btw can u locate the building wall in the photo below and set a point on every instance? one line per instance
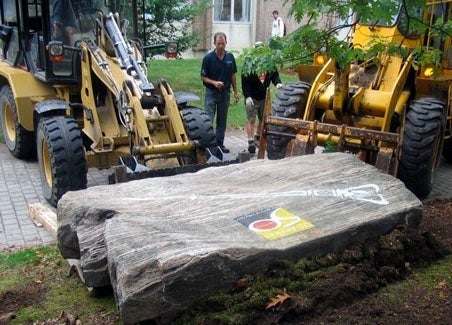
(264, 18)
(202, 25)
(240, 35)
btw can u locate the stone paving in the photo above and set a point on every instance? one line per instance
(20, 186)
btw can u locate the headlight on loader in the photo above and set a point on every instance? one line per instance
(319, 59)
(428, 72)
(171, 49)
(56, 51)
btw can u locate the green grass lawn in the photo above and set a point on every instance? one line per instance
(184, 75)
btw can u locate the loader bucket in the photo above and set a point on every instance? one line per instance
(382, 146)
(216, 155)
(129, 169)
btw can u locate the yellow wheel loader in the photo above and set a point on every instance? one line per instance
(385, 111)
(74, 92)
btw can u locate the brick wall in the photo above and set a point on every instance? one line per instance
(263, 21)
(202, 25)
(264, 18)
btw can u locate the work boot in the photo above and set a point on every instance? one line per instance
(224, 149)
(251, 147)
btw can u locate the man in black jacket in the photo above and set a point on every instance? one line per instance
(254, 89)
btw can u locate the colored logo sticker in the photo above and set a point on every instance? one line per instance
(274, 223)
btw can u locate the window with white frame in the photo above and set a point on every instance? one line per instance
(240, 10)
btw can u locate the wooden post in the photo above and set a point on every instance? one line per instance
(263, 134)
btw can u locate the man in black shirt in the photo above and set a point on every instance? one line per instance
(218, 76)
(254, 88)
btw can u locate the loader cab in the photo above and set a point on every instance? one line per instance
(411, 27)
(399, 29)
(430, 19)
(44, 36)
(32, 30)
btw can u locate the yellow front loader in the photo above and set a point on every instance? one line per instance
(385, 111)
(74, 92)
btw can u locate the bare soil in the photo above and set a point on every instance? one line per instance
(371, 283)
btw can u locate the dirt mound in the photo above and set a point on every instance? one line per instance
(29, 295)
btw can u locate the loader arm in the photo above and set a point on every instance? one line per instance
(130, 115)
(321, 90)
(101, 124)
(352, 116)
(125, 55)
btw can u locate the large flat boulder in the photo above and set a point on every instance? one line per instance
(165, 242)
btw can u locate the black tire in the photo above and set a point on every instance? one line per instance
(290, 102)
(20, 142)
(61, 156)
(199, 127)
(422, 144)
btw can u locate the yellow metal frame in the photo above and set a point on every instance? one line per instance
(25, 96)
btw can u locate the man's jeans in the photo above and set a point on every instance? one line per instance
(218, 102)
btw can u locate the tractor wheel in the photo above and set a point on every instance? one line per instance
(20, 142)
(199, 127)
(61, 156)
(290, 102)
(422, 144)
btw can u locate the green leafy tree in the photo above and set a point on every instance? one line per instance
(165, 20)
(316, 36)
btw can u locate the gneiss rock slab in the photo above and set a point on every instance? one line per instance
(169, 241)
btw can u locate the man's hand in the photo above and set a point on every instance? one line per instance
(279, 85)
(219, 85)
(249, 102)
